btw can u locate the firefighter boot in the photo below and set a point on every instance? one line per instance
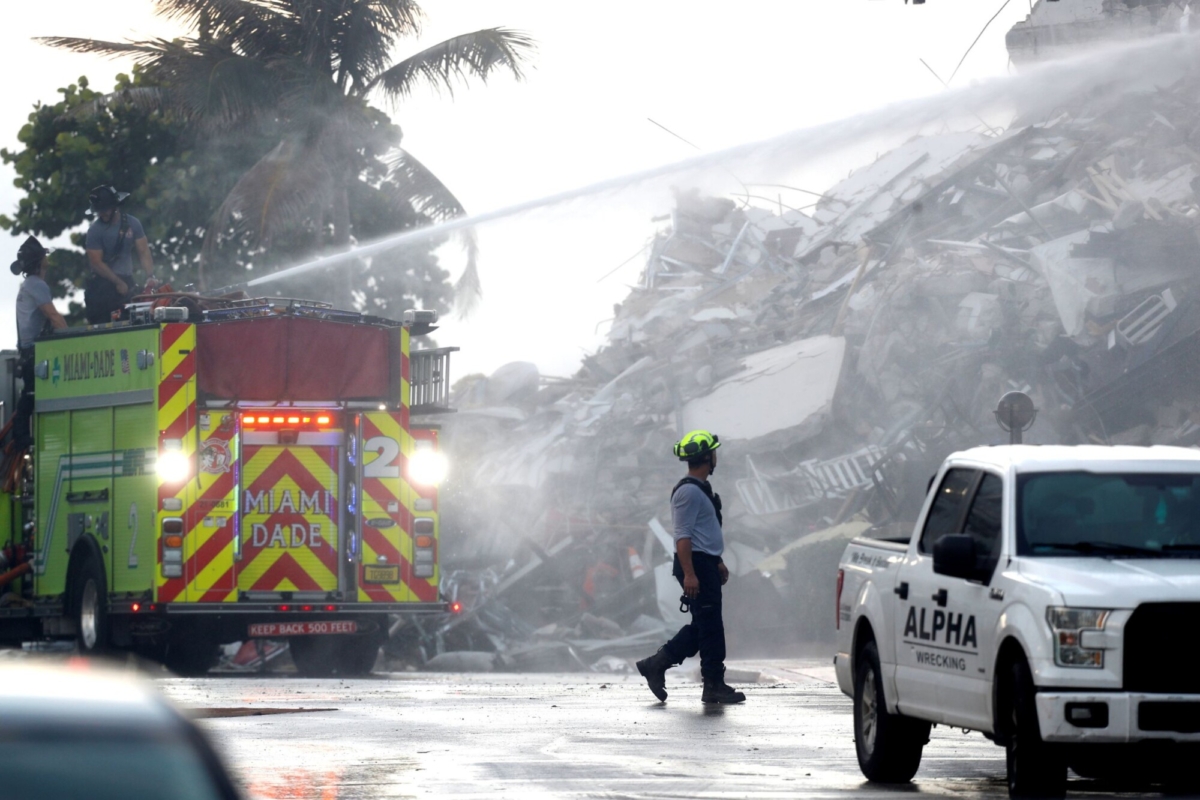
(718, 691)
(654, 670)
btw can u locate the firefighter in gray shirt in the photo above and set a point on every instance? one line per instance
(35, 303)
(112, 241)
(699, 543)
(35, 311)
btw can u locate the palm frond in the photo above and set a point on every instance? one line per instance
(193, 12)
(210, 81)
(204, 79)
(363, 38)
(253, 27)
(402, 17)
(468, 289)
(76, 45)
(479, 54)
(413, 184)
(310, 93)
(281, 192)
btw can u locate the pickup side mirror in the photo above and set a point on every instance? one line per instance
(954, 555)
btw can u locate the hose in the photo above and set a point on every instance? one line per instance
(14, 573)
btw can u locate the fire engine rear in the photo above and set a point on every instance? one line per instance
(251, 470)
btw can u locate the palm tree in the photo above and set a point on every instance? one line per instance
(309, 69)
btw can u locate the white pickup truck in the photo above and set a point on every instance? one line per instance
(1049, 598)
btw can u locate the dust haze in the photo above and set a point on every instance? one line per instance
(843, 305)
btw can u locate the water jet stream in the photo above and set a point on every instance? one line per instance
(1033, 94)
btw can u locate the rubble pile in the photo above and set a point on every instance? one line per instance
(840, 355)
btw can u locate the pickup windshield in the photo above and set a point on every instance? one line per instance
(1128, 515)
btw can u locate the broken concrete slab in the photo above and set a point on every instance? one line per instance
(1078, 285)
(787, 388)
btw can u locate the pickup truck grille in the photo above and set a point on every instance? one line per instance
(1173, 717)
(1152, 639)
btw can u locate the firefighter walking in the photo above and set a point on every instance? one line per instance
(699, 544)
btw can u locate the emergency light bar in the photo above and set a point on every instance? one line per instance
(273, 420)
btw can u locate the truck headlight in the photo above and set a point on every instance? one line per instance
(427, 467)
(173, 466)
(1068, 625)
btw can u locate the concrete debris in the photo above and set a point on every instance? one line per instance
(1056, 29)
(840, 355)
(761, 398)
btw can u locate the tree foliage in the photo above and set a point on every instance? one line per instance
(303, 74)
(176, 179)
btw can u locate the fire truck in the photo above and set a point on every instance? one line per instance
(213, 471)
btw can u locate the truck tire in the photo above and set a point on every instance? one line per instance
(323, 656)
(89, 594)
(358, 657)
(190, 656)
(1114, 767)
(314, 656)
(1035, 768)
(888, 745)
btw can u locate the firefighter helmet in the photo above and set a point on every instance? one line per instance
(29, 256)
(696, 443)
(103, 198)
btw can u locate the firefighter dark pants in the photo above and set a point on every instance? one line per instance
(706, 633)
(24, 412)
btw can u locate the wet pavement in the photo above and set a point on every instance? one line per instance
(561, 736)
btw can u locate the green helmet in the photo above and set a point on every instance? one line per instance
(696, 443)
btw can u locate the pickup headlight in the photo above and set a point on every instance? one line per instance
(1068, 625)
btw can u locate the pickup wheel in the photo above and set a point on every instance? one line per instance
(888, 745)
(1035, 768)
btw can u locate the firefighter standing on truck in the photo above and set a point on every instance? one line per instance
(111, 243)
(699, 543)
(35, 311)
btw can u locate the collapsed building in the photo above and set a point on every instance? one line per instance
(1058, 28)
(840, 354)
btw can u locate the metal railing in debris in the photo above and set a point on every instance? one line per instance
(429, 380)
(807, 483)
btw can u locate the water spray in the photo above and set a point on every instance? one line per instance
(1038, 90)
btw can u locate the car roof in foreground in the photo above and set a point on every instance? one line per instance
(1089, 458)
(79, 694)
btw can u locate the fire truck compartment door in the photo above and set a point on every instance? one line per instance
(289, 518)
(385, 571)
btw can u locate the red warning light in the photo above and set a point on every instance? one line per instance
(274, 421)
(331, 608)
(456, 607)
(137, 607)
(306, 608)
(284, 608)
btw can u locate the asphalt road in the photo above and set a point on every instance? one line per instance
(559, 736)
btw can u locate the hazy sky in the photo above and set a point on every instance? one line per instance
(717, 74)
